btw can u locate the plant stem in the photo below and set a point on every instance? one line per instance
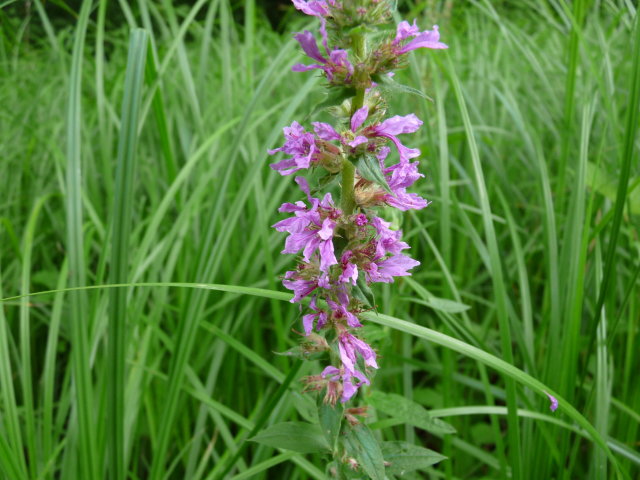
(348, 194)
(348, 169)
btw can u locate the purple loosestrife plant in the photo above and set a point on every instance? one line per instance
(346, 247)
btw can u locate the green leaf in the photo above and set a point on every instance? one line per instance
(369, 169)
(330, 420)
(397, 406)
(336, 96)
(360, 444)
(297, 436)
(363, 292)
(386, 83)
(404, 457)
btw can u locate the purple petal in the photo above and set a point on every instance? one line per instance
(397, 266)
(427, 39)
(325, 131)
(359, 117)
(307, 323)
(326, 232)
(330, 370)
(399, 124)
(327, 257)
(554, 402)
(301, 67)
(312, 7)
(405, 30)
(359, 140)
(309, 45)
(406, 201)
(352, 320)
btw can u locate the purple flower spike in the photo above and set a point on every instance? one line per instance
(349, 346)
(554, 402)
(300, 145)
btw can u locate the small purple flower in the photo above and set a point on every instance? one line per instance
(325, 131)
(349, 270)
(554, 402)
(349, 388)
(405, 30)
(310, 230)
(337, 62)
(426, 39)
(303, 285)
(350, 345)
(395, 126)
(399, 177)
(385, 270)
(342, 311)
(319, 316)
(301, 145)
(387, 240)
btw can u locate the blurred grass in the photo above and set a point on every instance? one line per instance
(536, 102)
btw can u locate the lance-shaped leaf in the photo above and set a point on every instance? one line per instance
(368, 167)
(360, 444)
(297, 436)
(403, 457)
(401, 408)
(363, 292)
(330, 420)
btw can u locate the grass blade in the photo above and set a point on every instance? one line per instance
(120, 229)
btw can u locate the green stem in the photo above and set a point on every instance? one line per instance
(348, 169)
(348, 193)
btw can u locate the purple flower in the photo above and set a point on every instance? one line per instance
(336, 63)
(394, 266)
(341, 311)
(300, 145)
(395, 126)
(310, 230)
(319, 316)
(303, 285)
(349, 346)
(426, 39)
(387, 240)
(405, 30)
(317, 8)
(349, 270)
(325, 131)
(554, 402)
(349, 388)
(399, 177)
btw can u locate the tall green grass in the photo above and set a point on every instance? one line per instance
(529, 276)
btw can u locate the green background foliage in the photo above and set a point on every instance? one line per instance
(133, 148)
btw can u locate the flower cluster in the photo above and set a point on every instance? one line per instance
(346, 247)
